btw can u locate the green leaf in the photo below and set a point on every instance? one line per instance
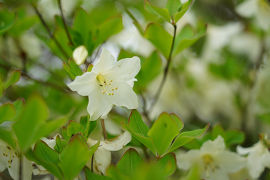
(29, 122)
(182, 10)
(136, 123)
(74, 157)
(173, 6)
(160, 38)
(47, 157)
(129, 162)
(12, 78)
(163, 131)
(6, 20)
(151, 68)
(7, 136)
(187, 37)
(168, 164)
(194, 174)
(157, 11)
(178, 121)
(7, 112)
(92, 176)
(72, 69)
(186, 137)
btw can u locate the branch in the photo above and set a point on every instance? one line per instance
(49, 31)
(64, 21)
(166, 70)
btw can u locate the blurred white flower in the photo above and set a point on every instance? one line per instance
(258, 158)
(260, 9)
(80, 54)
(102, 157)
(214, 161)
(9, 159)
(109, 83)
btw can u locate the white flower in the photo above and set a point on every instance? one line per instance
(80, 54)
(214, 161)
(258, 8)
(258, 157)
(109, 83)
(102, 156)
(10, 159)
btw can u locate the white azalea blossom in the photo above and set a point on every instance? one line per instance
(80, 54)
(109, 83)
(102, 156)
(214, 161)
(258, 158)
(9, 159)
(260, 9)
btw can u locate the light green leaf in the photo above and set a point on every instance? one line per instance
(163, 131)
(168, 164)
(182, 10)
(74, 157)
(157, 11)
(7, 112)
(136, 123)
(186, 137)
(12, 78)
(160, 38)
(7, 136)
(173, 6)
(29, 122)
(6, 20)
(72, 69)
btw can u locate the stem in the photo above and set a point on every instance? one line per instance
(92, 162)
(166, 70)
(145, 113)
(49, 31)
(24, 74)
(64, 21)
(20, 168)
(103, 128)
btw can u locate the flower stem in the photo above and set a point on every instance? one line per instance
(166, 70)
(64, 21)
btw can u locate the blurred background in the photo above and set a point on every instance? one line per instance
(222, 77)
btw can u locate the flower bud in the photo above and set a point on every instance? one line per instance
(80, 54)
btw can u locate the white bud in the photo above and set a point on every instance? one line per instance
(80, 54)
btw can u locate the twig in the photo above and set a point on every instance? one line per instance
(24, 74)
(49, 32)
(64, 21)
(166, 70)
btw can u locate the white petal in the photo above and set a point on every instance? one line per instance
(98, 105)
(27, 169)
(214, 146)
(125, 96)
(112, 127)
(243, 151)
(186, 160)
(105, 62)
(247, 8)
(102, 159)
(80, 54)
(230, 162)
(126, 69)
(13, 168)
(84, 84)
(117, 143)
(217, 175)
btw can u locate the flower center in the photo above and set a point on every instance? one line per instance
(106, 85)
(209, 164)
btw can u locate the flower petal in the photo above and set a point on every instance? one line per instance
(102, 159)
(125, 96)
(185, 160)
(230, 162)
(117, 143)
(104, 63)
(214, 146)
(98, 105)
(126, 69)
(84, 84)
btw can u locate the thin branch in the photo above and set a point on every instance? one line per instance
(45, 83)
(49, 31)
(166, 70)
(64, 21)
(145, 112)
(135, 21)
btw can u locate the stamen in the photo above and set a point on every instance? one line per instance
(106, 85)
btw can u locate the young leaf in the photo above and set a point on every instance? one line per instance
(163, 131)
(12, 78)
(157, 11)
(74, 157)
(173, 6)
(186, 137)
(160, 38)
(182, 10)
(7, 112)
(29, 122)
(168, 163)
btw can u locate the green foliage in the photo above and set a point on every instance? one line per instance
(164, 136)
(7, 112)
(30, 124)
(7, 19)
